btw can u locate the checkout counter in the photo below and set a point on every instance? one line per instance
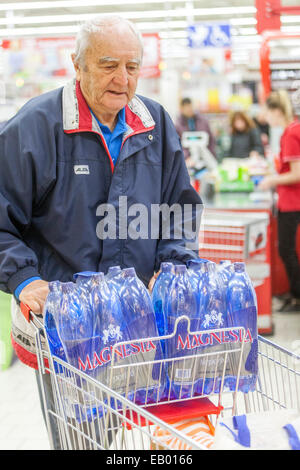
(246, 223)
(239, 222)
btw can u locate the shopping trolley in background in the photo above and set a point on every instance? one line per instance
(91, 415)
(242, 237)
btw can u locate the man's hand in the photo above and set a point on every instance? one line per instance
(152, 281)
(34, 295)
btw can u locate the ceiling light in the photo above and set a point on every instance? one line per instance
(23, 20)
(45, 31)
(79, 4)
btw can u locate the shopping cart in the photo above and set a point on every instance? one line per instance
(91, 415)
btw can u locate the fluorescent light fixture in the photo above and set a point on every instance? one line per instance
(23, 20)
(164, 25)
(242, 21)
(97, 3)
(173, 34)
(246, 31)
(290, 19)
(45, 31)
(47, 5)
(290, 29)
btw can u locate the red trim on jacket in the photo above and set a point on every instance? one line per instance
(85, 116)
(134, 121)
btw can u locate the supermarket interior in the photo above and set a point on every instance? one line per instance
(227, 74)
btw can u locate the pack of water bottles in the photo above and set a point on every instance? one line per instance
(220, 303)
(86, 320)
(110, 323)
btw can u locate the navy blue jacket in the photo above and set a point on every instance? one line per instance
(55, 172)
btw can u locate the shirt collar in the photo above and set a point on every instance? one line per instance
(120, 126)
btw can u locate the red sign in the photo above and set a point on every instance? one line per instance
(267, 18)
(151, 58)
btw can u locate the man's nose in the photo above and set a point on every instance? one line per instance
(121, 76)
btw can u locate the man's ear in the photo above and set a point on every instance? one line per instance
(76, 67)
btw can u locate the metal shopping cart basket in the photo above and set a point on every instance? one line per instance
(89, 414)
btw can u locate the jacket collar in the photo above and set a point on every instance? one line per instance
(77, 116)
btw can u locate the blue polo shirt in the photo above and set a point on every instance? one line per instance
(113, 141)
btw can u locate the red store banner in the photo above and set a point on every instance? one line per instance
(151, 58)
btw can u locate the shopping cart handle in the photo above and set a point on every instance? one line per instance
(26, 311)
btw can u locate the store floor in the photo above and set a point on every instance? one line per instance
(21, 421)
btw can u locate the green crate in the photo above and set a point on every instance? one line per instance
(236, 186)
(6, 349)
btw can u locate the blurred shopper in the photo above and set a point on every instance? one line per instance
(245, 138)
(262, 126)
(287, 182)
(190, 120)
(76, 148)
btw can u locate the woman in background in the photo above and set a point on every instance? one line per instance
(245, 137)
(287, 182)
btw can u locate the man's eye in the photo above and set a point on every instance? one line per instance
(132, 68)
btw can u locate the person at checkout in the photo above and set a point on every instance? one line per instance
(245, 137)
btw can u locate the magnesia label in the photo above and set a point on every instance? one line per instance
(209, 350)
(124, 379)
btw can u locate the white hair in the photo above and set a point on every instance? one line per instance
(97, 25)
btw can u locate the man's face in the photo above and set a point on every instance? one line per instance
(109, 73)
(187, 110)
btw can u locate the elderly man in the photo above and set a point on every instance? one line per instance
(72, 150)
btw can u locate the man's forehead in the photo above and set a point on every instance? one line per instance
(106, 59)
(120, 37)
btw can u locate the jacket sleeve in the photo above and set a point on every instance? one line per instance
(21, 186)
(180, 244)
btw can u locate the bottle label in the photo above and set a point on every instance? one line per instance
(209, 348)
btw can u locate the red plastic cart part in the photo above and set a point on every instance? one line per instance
(174, 412)
(25, 311)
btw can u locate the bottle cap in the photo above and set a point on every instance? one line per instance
(166, 267)
(225, 262)
(55, 286)
(128, 272)
(68, 286)
(98, 277)
(114, 269)
(195, 264)
(239, 267)
(211, 266)
(84, 274)
(180, 268)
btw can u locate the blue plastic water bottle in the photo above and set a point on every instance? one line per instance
(160, 294)
(212, 316)
(85, 284)
(225, 271)
(75, 327)
(196, 270)
(148, 381)
(242, 309)
(51, 311)
(115, 279)
(181, 301)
